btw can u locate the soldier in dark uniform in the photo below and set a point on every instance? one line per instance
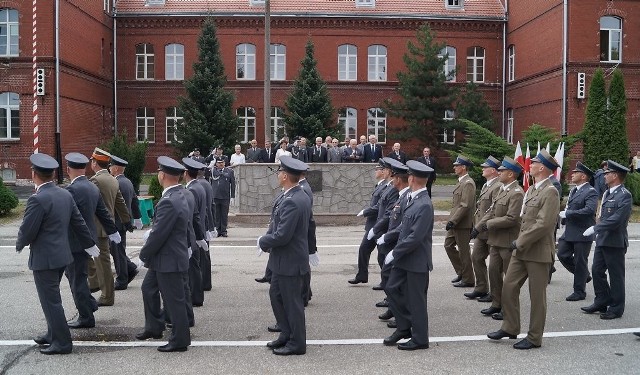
(224, 189)
(49, 216)
(578, 215)
(612, 241)
(411, 259)
(166, 255)
(314, 259)
(288, 259)
(210, 234)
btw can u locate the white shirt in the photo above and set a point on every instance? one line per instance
(505, 187)
(461, 177)
(490, 182)
(237, 159)
(414, 193)
(537, 184)
(402, 191)
(279, 153)
(41, 185)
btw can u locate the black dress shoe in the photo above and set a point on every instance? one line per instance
(383, 303)
(410, 345)
(500, 334)
(637, 334)
(119, 287)
(79, 324)
(170, 348)
(225, 235)
(456, 279)
(475, 294)
(486, 298)
(262, 280)
(395, 337)
(274, 328)
(378, 287)
(497, 316)
(609, 315)
(392, 324)
(288, 351)
(525, 344)
(357, 281)
(386, 315)
(276, 344)
(490, 310)
(589, 278)
(41, 340)
(199, 304)
(462, 284)
(132, 275)
(51, 350)
(575, 297)
(148, 335)
(594, 308)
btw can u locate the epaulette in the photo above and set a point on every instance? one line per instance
(516, 189)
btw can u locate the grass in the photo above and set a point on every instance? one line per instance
(446, 179)
(15, 214)
(146, 178)
(442, 204)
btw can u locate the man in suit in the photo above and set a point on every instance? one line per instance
(480, 252)
(372, 150)
(268, 154)
(612, 241)
(334, 153)
(397, 154)
(165, 253)
(578, 215)
(223, 182)
(48, 217)
(352, 154)
(501, 223)
(300, 151)
(100, 276)
(89, 202)
(411, 259)
(429, 161)
(532, 256)
(126, 270)
(253, 152)
(288, 259)
(460, 223)
(319, 152)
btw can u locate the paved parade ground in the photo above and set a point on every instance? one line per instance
(344, 335)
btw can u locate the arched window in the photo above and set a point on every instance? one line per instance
(277, 123)
(173, 120)
(347, 62)
(146, 124)
(610, 39)
(347, 122)
(245, 61)
(377, 124)
(450, 65)
(174, 62)
(9, 115)
(377, 60)
(277, 61)
(512, 63)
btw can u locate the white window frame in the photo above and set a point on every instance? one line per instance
(365, 3)
(174, 62)
(377, 63)
(256, 2)
(454, 4)
(347, 62)
(512, 63)
(246, 61)
(449, 65)
(475, 64)
(10, 104)
(248, 126)
(145, 125)
(277, 123)
(9, 21)
(510, 125)
(173, 120)
(611, 34)
(105, 6)
(377, 124)
(145, 59)
(447, 136)
(278, 62)
(348, 122)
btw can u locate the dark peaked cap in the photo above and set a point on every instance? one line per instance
(43, 163)
(491, 162)
(118, 161)
(292, 165)
(584, 169)
(418, 169)
(546, 159)
(170, 166)
(615, 167)
(76, 160)
(193, 165)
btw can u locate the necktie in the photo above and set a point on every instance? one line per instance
(268, 154)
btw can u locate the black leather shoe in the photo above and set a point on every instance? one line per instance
(132, 275)
(589, 278)
(119, 287)
(490, 310)
(261, 280)
(225, 234)
(575, 297)
(637, 334)
(410, 345)
(462, 284)
(378, 287)
(395, 337)
(199, 304)
(500, 334)
(456, 279)
(392, 324)
(79, 324)
(170, 348)
(288, 351)
(386, 315)
(475, 294)
(486, 298)
(497, 316)
(51, 350)
(383, 303)
(357, 281)
(594, 308)
(525, 344)
(276, 344)
(609, 315)
(148, 335)
(41, 340)
(274, 328)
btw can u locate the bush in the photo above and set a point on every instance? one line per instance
(8, 199)
(155, 189)
(134, 154)
(632, 183)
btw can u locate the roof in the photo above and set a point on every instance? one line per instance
(473, 9)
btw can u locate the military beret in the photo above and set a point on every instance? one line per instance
(546, 159)
(292, 165)
(192, 164)
(418, 169)
(463, 160)
(76, 160)
(584, 169)
(491, 162)
(43, 163)
(100, 155)
(616, 167)
(118, 161)
(170, 166)
(510, 164)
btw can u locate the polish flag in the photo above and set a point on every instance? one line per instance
(518, 157)
(526, 169)
(559, 156)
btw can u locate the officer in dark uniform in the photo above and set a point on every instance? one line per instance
(224, 189)
(612, 241)
(210, 225)
(579, 214)
(166, 255)
(314, 259)
(289, 258)
(49, 216)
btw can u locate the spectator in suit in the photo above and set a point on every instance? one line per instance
(352, 154)
(363, 142)
(328, 142)
(253, 152)
(301, 152)
(282, 151)
(319, 152)
(334, 153)
(238, 157)
(345, 145)
(397, 154)
(429, 161)
(372, 150)
(268, 154)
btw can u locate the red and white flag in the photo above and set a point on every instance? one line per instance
(560, 159)
(518, 157)
(526, 169)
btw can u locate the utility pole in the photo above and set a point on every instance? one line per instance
(267, 71)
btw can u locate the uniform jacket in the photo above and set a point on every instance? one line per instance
(486, 197)
(318, 156)
(130, 200)
(387, 201)
(372, 153)
(113, 200)
(535, 241)
(334, 155)
(301, 153)
(200, 208)
(464, 201)
(611, 229)
(580, 214)
(209, 224)
(223, 182)
(389, 226)
(49, 216)
(253, 156)
(371, 212)
(413, 249)
(311, 233)
(357, 155)
(503, 217)
(194, 221)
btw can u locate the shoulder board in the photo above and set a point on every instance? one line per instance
(624, 190)
(516, 189)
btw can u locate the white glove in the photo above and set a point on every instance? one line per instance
(208, 236)
(389, 258)
(214, 233)
(314, 259)
(380, 240)
(371, 234)
(190, 252)
(138, 223)
(145, 236)
(203, 244)
(360, 213)
(93, 251)
(591, 230)
(563, 214)
(115, 237)
(18, 251)
(259, 252)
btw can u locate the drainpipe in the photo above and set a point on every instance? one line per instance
(57, 134)
(565, 24)
(115, 79)
(504, 71)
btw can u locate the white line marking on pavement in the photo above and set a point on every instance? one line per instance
(317, 342)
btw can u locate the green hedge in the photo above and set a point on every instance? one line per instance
(8, 199)
(632, 183)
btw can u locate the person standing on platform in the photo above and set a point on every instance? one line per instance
(223, 182)
(334, 153)
(429, 161)
(397, 154)
(268, 154)
(253, 152)
(319, 152)
(48, 217)
(372, 150)
(352, 154)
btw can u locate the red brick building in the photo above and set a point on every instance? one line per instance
(513, 50)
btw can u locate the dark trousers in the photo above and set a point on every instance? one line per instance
(609, 259)
(195, 278)
(77, 275)
(48, 288)
(285, 293)
(407, 293)
(364, 254)
(429, 184)
(306, 288)
(124, 266)
(171, 286)
(383, 250)
(574, 256)
(221, 215)
(205, 268)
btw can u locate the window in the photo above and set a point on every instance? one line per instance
(347, 122)
(256, 2)
(173, 120)
(248, 127)
(277, 59)
(277, 123)
(450, 64)
(512, 63)
(447, 135)
(9, 32)
(610, 39)
(144, 61)
(365, 3)
(145, 125)
(105, 6)
(347, 62)
(475, 64)
(377, 124)
(454, 3)
(174, 62)
(510, 125)
(377, 63)
(9, 115)
(245, 61)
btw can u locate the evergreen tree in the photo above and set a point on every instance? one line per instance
(309, 111)
(207, 108)
(617, 144)
(596, 127)
(473, 107)
(424, 92)
(133, 153)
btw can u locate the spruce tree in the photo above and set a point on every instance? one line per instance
(473, 107)
(424, 92)
(596, 127)
(309, 111)
(207, 108)
(134, 153)
(617, 144)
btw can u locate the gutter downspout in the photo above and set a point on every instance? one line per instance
(115, 76)
(565, 24)
(58, 144)
(504, 71)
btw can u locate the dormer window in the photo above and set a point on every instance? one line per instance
(454, 4)
(365, 3)
(256, 2)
